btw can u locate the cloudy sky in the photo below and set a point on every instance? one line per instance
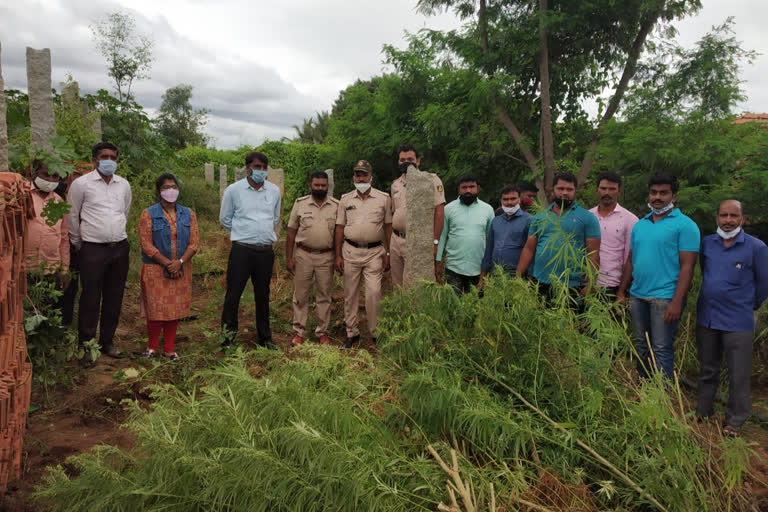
(263, 66)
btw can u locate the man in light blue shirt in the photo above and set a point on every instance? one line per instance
(465, 228)
(250, 211)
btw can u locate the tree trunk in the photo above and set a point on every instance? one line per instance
(629, 71)
(548, 147)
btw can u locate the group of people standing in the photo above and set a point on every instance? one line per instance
(646, 262)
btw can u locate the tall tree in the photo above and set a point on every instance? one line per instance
(178, 121)
(128, 54)
(542, 58)
(313, 130)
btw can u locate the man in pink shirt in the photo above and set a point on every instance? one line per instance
(616, 223)
(46, 245)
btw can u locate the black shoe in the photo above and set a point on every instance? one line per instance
(373, 340)
(351, 341)
(268, 345)
(111, 351)
(87, 362)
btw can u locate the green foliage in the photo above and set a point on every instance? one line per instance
(520, 386)
(128, 55)
(54, 211)
(313, 130)
(75, 125)
(179, 122)
(50, 345)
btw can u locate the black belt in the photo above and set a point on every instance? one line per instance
(398, 233)
(107, 244)
(363, 245)
(261, 248)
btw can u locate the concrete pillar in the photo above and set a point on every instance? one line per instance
(329, 172)
(222, 180)
(420, 199)
(209, 173)
(277, 177)
(240, 173)
(41, 119)
(3, 125)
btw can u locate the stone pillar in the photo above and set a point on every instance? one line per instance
(209, 174)
(329, 172)
(240, 174)
(277, 177)
(70, 92)
(42, 125)
(222, 180)
(3, 125)
(419, 200)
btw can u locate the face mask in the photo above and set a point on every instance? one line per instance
(258, 176)
(564, 204)
(661, 211)
(727, 235)
(170, 194)
(468, 198)
(362, 187)
(404, 167)
(107, 167)
(45, 186)
(319, 194)
(510, 210)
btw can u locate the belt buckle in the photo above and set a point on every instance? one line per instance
(111, 245)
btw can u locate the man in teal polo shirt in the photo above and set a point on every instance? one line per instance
(662, 255)
(465, 228)
(560, 237)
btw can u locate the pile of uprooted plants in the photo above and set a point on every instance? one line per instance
(495, 403)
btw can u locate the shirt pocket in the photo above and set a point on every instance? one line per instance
(736, 273)
(377, 215)
(158, 225)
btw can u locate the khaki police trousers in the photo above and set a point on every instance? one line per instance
(397, 255)
(368, 264)
(317, 268)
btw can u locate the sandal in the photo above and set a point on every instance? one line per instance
(173, 356)
(730, 431)
(149, 353)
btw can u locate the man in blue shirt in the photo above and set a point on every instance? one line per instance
(250, 211)
(734, 270)
(559, 239)
(662, 256)
(507, 234)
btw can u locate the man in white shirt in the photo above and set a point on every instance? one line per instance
(100, 203)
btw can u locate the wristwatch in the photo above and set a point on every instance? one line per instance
(436, 241)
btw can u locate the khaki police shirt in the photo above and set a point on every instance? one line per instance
(364, 219)
(314, 224)
(399, 217)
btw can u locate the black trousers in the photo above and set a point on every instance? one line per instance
(103, 271)
(460, 283)
(244, 263)
(736, 346)
(69, 296)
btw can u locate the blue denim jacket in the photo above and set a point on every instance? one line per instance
(161, 232)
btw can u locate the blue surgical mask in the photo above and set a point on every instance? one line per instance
(107, 167)
(258, 176)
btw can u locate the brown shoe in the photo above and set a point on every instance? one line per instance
(297, 340)
(325, 340)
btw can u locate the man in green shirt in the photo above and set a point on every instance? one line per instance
(462, 242)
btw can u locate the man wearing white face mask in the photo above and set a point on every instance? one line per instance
(734, 270)
(46, 246)
(662, 256)
(507, 234)
(363, 222)
(100, 201)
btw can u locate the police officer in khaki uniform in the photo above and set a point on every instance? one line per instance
(363, 223)
(311, 228)
(407, 156)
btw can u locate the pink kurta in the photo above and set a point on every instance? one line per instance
(615, 235)
(46, 244)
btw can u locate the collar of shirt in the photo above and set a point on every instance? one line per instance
(617, 209)
(739, 239)
(509, 218)
(569, 210)
(262, 188)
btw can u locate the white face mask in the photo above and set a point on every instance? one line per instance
(662, 210)
(362, 187)
(510, 210)
(45, 185)
(727, 235)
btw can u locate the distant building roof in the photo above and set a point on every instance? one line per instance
(751, 118)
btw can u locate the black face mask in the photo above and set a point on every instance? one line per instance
(319, 194)
(564, 204)
(405, 165)
(468, 198)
